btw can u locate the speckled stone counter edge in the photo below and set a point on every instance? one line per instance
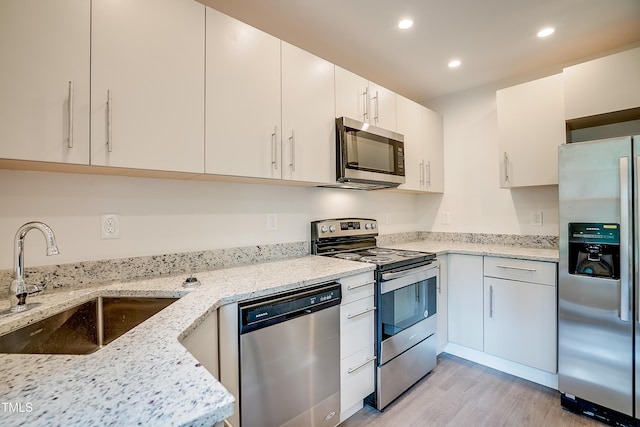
(89, 273)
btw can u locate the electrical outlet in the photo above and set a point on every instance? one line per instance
(536, 218)
(109, 226)
(272, 222)
(446, 217)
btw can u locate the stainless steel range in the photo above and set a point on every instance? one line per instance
(406, 288)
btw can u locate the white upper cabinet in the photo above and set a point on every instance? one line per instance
(410, 126)
(423, 145)
(433, 136)
(147, 84)
(603, 85)
(308, 117)
(243, 124)
(360, 99)
(44, 80)
(530, 129)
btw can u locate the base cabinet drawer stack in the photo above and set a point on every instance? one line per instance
(357, 339)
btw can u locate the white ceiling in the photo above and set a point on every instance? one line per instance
(495, 39)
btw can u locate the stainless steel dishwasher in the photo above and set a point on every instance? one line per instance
(290, 359)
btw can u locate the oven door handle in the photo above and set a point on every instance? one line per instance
(410, 272)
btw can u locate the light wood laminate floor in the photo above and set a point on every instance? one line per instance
(463, 394)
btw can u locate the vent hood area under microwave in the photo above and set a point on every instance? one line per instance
(367, 157)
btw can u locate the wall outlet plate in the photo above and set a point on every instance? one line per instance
(109, 226)
(272, 222)
(536, 218)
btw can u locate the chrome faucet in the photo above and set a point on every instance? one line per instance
(18, 289)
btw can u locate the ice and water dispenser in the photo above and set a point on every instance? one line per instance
(594, 249)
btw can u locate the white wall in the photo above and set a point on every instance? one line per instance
(472, 196)
(165, 216)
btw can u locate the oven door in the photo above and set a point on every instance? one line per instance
(407, 309)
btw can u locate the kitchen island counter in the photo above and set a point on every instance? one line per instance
(145, 377)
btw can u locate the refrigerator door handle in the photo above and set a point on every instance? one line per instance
(625, 225)
(637, 228)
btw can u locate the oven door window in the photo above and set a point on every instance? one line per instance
(406, 306)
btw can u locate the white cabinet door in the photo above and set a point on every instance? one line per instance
(603, 85)
(308, 117)
(423, 145)
(243, 99)
(530, 128)
(147, 84)
(351, 95)
(433, 137)
(44, 48)
(442, 305)
(520, 322)
(382, 103)
(410, 126)
(464, 298)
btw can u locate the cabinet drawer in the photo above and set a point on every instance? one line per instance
(540, 272)
(357, 326)
(357, 287)
(357, 373)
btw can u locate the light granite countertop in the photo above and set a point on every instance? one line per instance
(447, 247)
(145, 377)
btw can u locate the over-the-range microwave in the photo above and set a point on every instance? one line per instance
(368, 157)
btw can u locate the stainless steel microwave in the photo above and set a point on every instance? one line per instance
(368, 157)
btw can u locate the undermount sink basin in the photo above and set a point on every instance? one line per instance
(85, 328)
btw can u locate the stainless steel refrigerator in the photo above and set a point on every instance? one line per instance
(598, 329)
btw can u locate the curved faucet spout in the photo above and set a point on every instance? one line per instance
(18, 289)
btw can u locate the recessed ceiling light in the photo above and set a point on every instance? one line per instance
(546, 32)
(405, 23)
(455, 63)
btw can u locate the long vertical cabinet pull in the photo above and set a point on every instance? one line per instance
(365, 98)
(70, 105)
(625, 230)
(421, 173)
(109, 122)
(376, 118)
(490, 301)
(274, 151)
(506, 168)
(428, 174)
(292, 140)
(637, 272)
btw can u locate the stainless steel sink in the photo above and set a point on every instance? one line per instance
(85, 328)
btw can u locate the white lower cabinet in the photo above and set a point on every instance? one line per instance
(465, 300)
(357, 342)
(442, 305)
(520, 312)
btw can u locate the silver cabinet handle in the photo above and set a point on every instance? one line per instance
(376, 118)
(362, 285)
(292, 140)
(360, 313)
(365, 363)
(421, 173)
(365, 97)
(70, 105)
(513, 267)
(109, 123)
(274, 152)
(428, 173)
(490, 301)
(506, 168)
(625, 229)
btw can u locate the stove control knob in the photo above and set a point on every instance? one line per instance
(368, 226)
(332, 228)
(324, 229)
(373, 225)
